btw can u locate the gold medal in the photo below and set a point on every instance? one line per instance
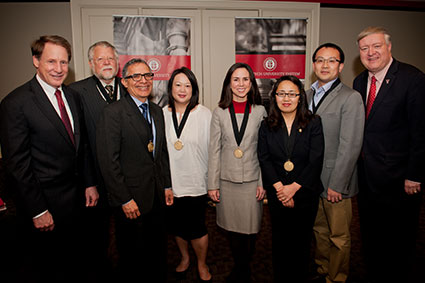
(288, 166)
(238, 153)
(178, 145)
(150, 146)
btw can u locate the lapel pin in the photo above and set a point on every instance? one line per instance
(300, 130)
(387, 81)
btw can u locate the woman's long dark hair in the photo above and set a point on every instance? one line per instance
(303, 115)
(194, 100)
(253, 95)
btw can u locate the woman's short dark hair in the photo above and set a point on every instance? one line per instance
(194, 100)
(226, 98)
(303, 115)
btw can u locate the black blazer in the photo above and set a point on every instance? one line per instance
(128, 168)
(93, 104)
(48, 171)
(307, 156)
(394, 138)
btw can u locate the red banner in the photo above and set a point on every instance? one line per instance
(161, 65)
(272, 66)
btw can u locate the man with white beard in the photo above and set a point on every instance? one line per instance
(97, 91)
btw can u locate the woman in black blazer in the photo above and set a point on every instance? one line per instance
(290, 151)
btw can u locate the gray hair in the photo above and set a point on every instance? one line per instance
(90, 52)
(372, 30)
(132, 62)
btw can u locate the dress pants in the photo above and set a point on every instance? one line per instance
(142, 246)
(333, 239)
(292, 233)
(389, 223)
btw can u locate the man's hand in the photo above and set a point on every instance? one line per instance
(412, 187)
(214, 195)
(289, 203)
(334, 196)
(44, 222)
(92, 196)
(169, 197)
(131, 209)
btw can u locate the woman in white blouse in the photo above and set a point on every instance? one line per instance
(188, 129)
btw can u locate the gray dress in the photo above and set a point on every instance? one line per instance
(237, 179)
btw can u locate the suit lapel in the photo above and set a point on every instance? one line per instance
(328, 99)
(384, 89)
(75, 116)
(137, 121)
(43, 103)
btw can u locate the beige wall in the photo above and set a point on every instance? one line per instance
(20, 24)
(342, 26)
(23, 22)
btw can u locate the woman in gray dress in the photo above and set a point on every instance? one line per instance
(234, 180)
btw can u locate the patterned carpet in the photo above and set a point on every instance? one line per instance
(219, 257)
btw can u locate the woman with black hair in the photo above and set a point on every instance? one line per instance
(234, 180)
(187, 127)
(290, 150)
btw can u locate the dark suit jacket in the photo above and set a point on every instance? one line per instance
(128, 168)
(307, 156)
(93, 104)
(394, 138)
(49, 172)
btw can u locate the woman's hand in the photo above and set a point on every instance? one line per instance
(285, 193)
(289, 203)
(260, 193)
(214, 195)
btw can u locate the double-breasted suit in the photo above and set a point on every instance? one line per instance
(49, 172)
(393, 151)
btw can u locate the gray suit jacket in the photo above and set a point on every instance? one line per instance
(342, 114)
(221, 162)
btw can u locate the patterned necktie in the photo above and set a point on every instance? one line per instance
(110, 90)
(145, 111)
(372, 96)
(64, 115)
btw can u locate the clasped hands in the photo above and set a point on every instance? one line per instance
(285, 193)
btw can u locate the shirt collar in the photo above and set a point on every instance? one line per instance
(325, 87)
(48, 89)
(105, 84)
(138, 102)
(380, 76)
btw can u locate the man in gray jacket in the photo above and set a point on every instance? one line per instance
(342, 112)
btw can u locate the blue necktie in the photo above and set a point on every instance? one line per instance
(145, 111)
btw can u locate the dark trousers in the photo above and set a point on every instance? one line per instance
(53, 256)
(389, 223)
(243, 248)
(142, 246)
(292, 232)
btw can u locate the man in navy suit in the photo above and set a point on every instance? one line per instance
(96, 92)
(44, 146)
(391, 166)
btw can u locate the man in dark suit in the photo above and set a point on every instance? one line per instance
(391, 167)
(43, 140)
(133, 158)
(97, 91)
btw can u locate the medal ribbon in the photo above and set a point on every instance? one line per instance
(289, 142)
(239, 133)
(179, 128)
(103, 90)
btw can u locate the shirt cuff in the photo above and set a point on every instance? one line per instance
(37, 216)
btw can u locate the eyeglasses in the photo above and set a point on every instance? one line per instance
(331, 61)
(102, 60)
(138, 77)
(288, 94)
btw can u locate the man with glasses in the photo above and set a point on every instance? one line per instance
(342, 112)
(133, 159)
(97, 91)
(391, 167)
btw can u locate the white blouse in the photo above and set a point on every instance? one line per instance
(189, 166)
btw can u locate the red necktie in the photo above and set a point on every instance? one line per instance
(372, 96)
(64, 115)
